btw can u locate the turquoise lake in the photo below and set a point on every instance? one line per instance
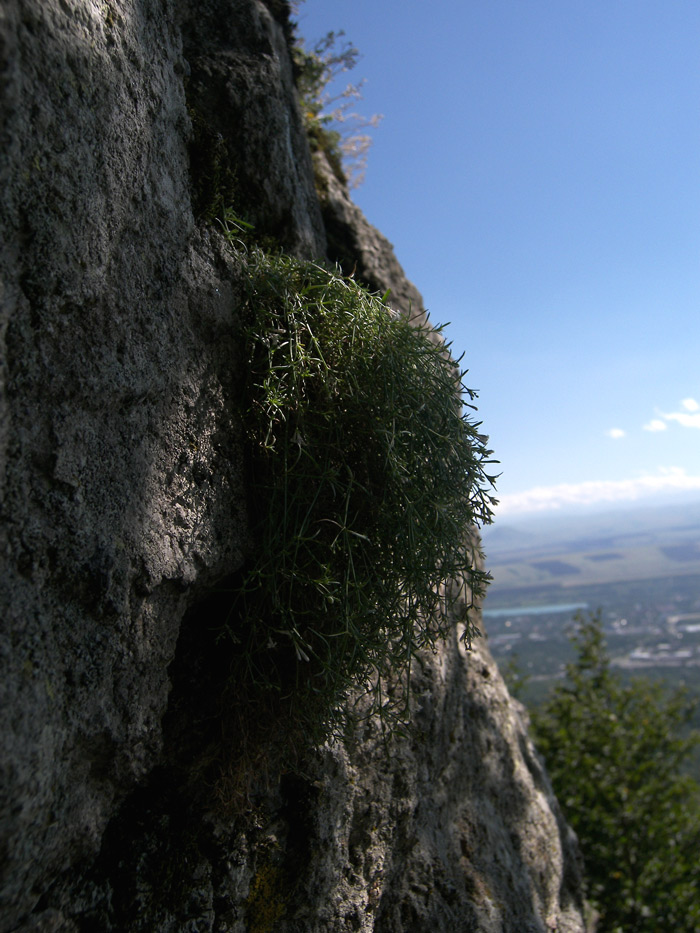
(532, 610)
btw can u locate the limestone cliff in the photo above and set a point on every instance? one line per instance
(124, 507)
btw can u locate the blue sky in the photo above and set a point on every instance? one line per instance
(537, 170)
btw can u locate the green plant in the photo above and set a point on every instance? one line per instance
(366, 477)
(615, 753)
(332, 125)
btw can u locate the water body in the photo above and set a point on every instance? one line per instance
(532, 610)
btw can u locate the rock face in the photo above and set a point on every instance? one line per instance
(360, 248)
(123, 508)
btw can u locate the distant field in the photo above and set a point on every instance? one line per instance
(579, 552)
(564, 568)
(640, 568)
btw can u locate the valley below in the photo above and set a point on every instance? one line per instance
(639, 567)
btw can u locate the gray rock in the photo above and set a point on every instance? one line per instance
(452, 828)
(120, 473)
(122, 490)
(240, 83)
(359, 248)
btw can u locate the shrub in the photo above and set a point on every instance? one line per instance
(332, 125)
(366, 479)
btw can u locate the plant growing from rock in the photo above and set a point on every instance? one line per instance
(366, 478)
(332, 124)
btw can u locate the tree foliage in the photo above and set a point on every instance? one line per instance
(614, 751)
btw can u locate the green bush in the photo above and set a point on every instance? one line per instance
(615, 753)
(366, 479)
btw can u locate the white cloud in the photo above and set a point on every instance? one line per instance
(684, 418)
(689, 417)
(615, 433)
(552, 498)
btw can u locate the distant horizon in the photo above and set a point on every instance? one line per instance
(669, 500)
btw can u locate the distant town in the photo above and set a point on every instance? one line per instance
(640, 568)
